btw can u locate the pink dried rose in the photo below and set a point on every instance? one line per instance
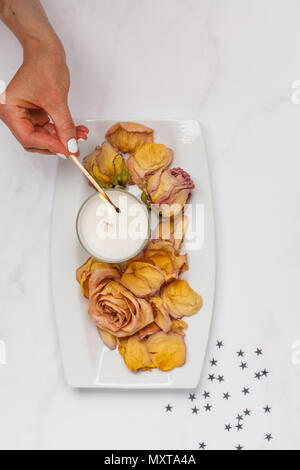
(171, 190)
(114, 309)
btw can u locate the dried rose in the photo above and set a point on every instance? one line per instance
(148, 159)
(107, 166)
(167, 350)
(163, 254)
(170, 190)
(128, 136)
(135, 353)
(84, 273)
(142, 278)
(180, 299)
(172, 230)
(114, 308)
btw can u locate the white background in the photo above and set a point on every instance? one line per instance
(230, 64)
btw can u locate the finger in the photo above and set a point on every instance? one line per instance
(83, 128)
(38, 117)
(65, 128)
(33, 150)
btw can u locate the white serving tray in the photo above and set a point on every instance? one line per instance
(87, 362)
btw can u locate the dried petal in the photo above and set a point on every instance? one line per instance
(167, 350)
(108, 339)
(172, 230)
(128, 136)
(161, 315)
(180, 299)
(163, 254)
(148, 330)
(142, 278)
(148, 159)
(135, 353)
(178, 326)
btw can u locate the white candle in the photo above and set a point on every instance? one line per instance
(110, 236)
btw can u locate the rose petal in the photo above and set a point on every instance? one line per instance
(108, 339)
(135, 353)
(84, 273)
(180, 299)
(167, 350)
(178, 326)
(128, 136)
(107, 166)
(147, 160)
(163, 254)
(172, 230)
(142, 279)
(148, 331)
(161, 315)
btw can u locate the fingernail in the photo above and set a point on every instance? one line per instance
(81, 140)
(72, 146)
(61, 155)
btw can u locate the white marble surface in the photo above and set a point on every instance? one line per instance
(231, 64)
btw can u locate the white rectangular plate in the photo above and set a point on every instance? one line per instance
(87, 362)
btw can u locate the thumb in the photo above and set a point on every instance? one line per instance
(65, 128)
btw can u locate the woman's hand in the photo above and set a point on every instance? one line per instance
(39, 90)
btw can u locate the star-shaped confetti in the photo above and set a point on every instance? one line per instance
(213, 362)
(192, 396)
(246, 391)
(221, 379)
(195, 410)
(240, 353)
(211, 377)
(267, 409)
(259, 352)
(265, 373)
(208, 407)
(247, 412)
(244, 365)
(268, 437)
(168, 408)
(257, 376)
(206, 395)
(240, 427)
(226, 396)
(202, 446)
(239, 418)
(239, 447)
(228, 427)
(220, 344)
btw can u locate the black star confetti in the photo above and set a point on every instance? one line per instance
(259, 352)
(220, 344)
(243, 365)
(211, 377)
(213, 362)
(168, 408)
(221, 379)
(257, 376)
(239, 447)
(226, 396)
(246, 391)
(206, 395)
(267, 409)
(195, 410)
(202, 446)
(268, 437)
(239, 418)
(228, 427)
(247, 412)
(265, 373)
(192, 396)
(239, 427)
(240, 353)
(208, 407)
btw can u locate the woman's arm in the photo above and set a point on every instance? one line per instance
(41, 85)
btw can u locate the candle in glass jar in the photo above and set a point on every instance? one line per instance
(109, 236)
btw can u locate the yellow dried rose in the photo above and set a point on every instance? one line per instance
(84, 273)
(180, 299)
(107, 166)
(172, 230)
(167, 350)
(148, 159)
(142, 278)
(163, 254)
(128, 136)
(135, 353)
